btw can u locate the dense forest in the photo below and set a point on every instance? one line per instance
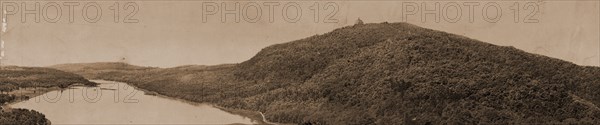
(14, 78)
(19, 116)
(22, 117)
(388, 73)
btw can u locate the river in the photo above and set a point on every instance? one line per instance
(119, 103)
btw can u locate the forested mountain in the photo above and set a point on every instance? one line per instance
(388, 73)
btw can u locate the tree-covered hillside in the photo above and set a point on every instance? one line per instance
(386, 73)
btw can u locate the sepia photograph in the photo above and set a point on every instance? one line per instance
(299, 62)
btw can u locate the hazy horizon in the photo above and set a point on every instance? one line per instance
(170, 34)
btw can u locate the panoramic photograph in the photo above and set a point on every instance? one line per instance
(299, 62)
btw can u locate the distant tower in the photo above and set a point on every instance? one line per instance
(123, 60)
(359, 22)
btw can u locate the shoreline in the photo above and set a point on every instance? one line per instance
(35, 92)
(31, 92)
(244, 113)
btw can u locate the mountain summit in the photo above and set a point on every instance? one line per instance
(386, 73)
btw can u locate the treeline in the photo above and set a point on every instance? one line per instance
(22, 117)
(394, 73)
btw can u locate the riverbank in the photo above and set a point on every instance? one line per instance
(9, 115)
(253, 115)
(27, 93)
(24, 94)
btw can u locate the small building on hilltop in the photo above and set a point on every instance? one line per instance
(359, 22)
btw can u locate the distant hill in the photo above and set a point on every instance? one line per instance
(388, 73)
(99, 66)
(88, 69)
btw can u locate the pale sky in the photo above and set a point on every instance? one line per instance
(172, 33)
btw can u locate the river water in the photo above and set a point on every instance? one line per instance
(119, 103)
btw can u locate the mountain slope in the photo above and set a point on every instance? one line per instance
(387, 73)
